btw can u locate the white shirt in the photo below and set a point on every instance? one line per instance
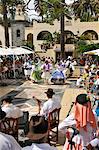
(7, 142)
(43, 146)
(12, 111)
(95, 142)
(50, 105)
(78, 83)
(70, 121)
(96, 82)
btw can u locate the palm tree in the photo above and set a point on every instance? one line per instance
(86, 9)
(51, 10)
(4, 5)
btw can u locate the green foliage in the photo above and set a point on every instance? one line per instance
(56, 37)
(82, 46)
(86, 10)
(29, 44)
(50, 9)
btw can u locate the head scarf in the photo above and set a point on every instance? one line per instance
(83, 115)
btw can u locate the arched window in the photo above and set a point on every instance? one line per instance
(90, 35)
(18, 33)
(44, 35)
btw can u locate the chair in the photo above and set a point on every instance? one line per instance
(23, 121)
(53, 122)
(10, 126)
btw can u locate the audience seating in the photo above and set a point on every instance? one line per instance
(23, 121)
(10, 126)
(53, 122)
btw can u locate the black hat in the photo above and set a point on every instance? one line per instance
(2, 114)
(82, 99)
(50, 92)
(38, 129)
(7, 99)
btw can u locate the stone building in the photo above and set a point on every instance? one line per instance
(36, 33)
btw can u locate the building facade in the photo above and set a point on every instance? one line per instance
(38, 32)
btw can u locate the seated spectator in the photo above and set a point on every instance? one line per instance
(11, 110)
(51, 104)
(83, 120)
(79, 82)
(7, 142)
(38, 135)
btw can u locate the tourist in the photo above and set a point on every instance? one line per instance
(83, 119)
(38, 135)
(11, 110)
(7, 142)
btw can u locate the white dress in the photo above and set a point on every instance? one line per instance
(27, 68)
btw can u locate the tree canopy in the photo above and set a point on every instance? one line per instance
(86, 10)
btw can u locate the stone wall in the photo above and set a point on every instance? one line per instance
(18, 41)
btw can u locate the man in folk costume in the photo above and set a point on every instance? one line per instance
(37, 133)
(47, 67)
(83, 121)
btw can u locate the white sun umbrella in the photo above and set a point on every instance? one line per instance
(17, 51)
(14, 51)
(3, 51)
(93, 52)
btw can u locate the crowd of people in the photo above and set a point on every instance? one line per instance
(48, 70)
(80, 128)
(36, 68)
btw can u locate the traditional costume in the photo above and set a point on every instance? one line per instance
(47, 67)
(38, 135)
(36, 73)
(83, 120)
(58, 75)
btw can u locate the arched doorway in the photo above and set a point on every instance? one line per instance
(69, 37)
(30, 40)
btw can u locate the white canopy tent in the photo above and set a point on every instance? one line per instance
(14, 51)
(93, 52)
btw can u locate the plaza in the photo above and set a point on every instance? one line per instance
(22, 92)
(50, 64)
